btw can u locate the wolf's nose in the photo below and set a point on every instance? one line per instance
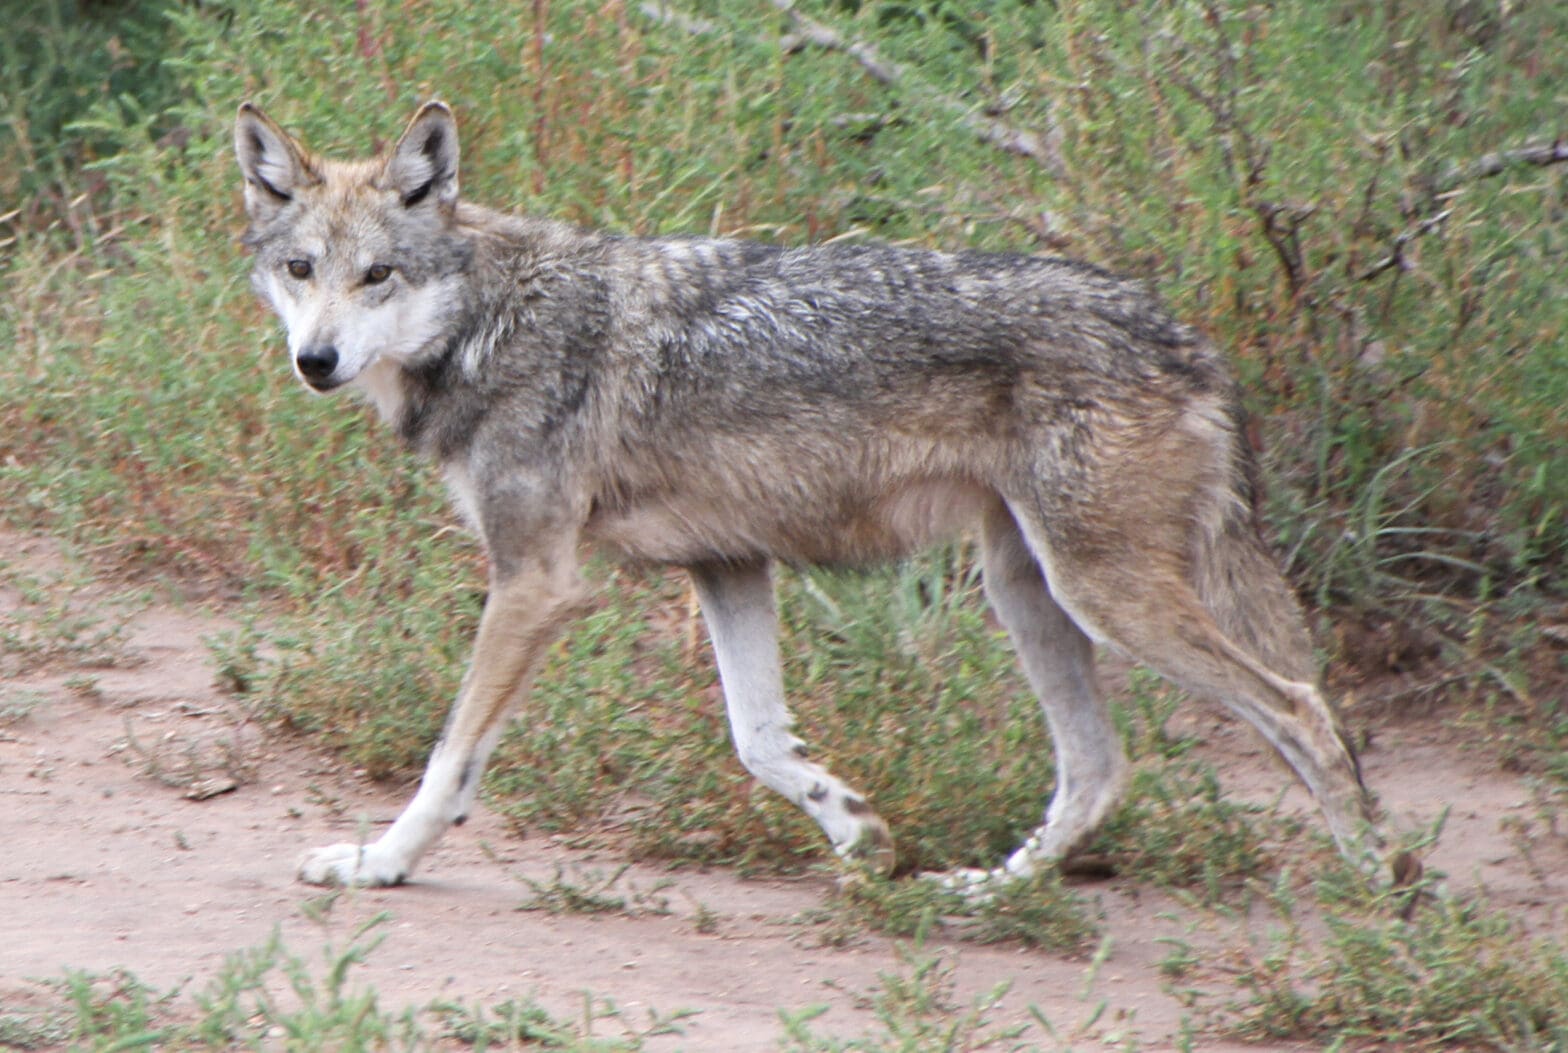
(317, 363)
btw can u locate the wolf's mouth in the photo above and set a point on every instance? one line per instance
(323, 385)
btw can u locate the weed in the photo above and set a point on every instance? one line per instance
(115, 1004)
(591, 893)
(513, 1022)
(1455, 975)
(1040, 912)
(85, 686)
(32, 1029)
(200, 766)
(61, 618)
(16, 704)
(268, 998)
(1194, 144)
(704, 919)
(916, 1011)
(239, 659)
(1346, 195)
(1176, 827)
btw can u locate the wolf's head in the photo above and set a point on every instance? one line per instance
(362, 260)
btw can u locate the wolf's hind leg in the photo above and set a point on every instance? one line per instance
(1142, 599)
(1058, 660)
(738, 605)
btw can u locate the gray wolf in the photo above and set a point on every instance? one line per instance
(720, 405)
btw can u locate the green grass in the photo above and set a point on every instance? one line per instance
(1041, 912)
(268, 997)
(1457, 975)
(916, 1010)
(594, 892)
(54, 617)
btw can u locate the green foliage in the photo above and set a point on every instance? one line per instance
(631, 701)
(1176, 827)
(60, 62)
(592, 892)
(1040, 912)
(527, 1025)
(1323, 208)
(1313, 183)
(237, 1009)
(267, 997)
(916, 1012)
(1455, 975)
(1341, 232)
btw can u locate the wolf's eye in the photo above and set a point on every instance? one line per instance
(298, 269)
(378, 273)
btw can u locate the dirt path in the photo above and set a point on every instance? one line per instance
(106, 866)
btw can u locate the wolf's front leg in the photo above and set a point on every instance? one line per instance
(523, 613)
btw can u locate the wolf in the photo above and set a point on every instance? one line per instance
(725, 405)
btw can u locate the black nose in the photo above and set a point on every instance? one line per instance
(317, 363)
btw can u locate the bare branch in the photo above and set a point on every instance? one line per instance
(808, 32)
(664, 14)
(1537, 153)
(1396, 256)
(997, 133)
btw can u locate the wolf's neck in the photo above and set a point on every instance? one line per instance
(382, 385)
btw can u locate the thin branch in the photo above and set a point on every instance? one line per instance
(1396, 256)
(1484, 167)
(1488, 165)
(808, 32)
(997, 133)
(664, 14)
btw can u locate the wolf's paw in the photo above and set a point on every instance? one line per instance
(872, 849)
(345, 864)
(972, 883)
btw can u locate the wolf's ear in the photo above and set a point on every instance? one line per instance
(273, 164)
(423, 165)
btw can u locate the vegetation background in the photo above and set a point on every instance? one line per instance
(1361, 199)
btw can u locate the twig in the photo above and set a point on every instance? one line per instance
(809, 32)
(1396, 256)
(1456, 175)
(999, 134)
(689, 24)
(1537, 153)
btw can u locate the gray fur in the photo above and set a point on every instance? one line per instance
(720, 404)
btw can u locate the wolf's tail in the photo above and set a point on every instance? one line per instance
(1236, 577)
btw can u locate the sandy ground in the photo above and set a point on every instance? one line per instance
(107, 865)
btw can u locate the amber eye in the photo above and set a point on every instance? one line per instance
(378, 273)
(299, 269)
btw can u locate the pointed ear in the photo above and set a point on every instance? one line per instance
(273, 164)
(423, 165)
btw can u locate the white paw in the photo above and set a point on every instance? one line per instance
(871, 848)
(972, 883)
(346, 864)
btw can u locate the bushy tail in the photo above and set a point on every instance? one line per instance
(1240, 584)
(1235, 575)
